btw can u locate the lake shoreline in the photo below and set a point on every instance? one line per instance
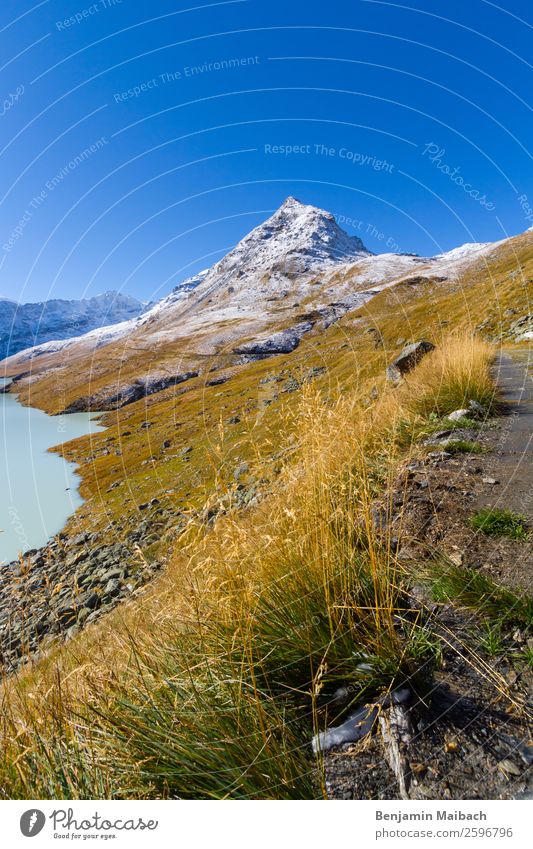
(42, 487)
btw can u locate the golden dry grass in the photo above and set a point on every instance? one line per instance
(211, 681)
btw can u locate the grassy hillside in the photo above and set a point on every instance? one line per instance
(212, 680)
(211, 683)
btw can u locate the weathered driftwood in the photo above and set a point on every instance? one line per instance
(397, 731)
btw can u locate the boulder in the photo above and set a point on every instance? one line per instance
(117, 572)
(217, 381)
(83, 615)
(240, 471)
(88, 599)
(408, 359)
(522, 328)
(421, 281)
(67, 614)
(112, 588)
(114, 398)
(282, 342)
(476, 409)
(80, 539)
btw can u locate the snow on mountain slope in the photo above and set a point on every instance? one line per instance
(22, 325)
(298, 235)
(93, 339)
(179, 294)
(297, 263)
(100, 336)
(464, 251)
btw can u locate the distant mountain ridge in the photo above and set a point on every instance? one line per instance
(25, 325)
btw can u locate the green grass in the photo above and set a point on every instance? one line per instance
(527, 656)
(423, 428)
(464, 423)
(424, 645)
(462, 446)
(455, 584)
(492, 641)
(500, 523)
(211, 738)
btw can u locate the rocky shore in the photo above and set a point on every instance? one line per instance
(54, 591)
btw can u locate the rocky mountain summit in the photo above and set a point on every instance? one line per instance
(297, 240)
(26, 325)
(294, 240)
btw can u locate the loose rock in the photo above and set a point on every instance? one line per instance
(408, 359)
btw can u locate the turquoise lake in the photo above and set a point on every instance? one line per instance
(39, 490)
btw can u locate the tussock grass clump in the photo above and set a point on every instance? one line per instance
(447, 379)
(478, 592)
(500, 523)
(218, 739)
(212, 682)
(462, 446)
(453, 374)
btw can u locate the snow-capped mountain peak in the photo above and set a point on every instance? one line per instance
(295, 238)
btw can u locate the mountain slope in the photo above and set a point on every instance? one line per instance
(25, 325)
(294, 275)
(296, 240)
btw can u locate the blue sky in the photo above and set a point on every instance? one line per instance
(139, 142)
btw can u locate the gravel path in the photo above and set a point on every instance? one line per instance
(514, 457)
